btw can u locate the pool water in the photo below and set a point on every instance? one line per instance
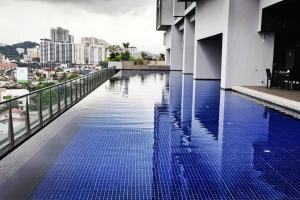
(163, 135)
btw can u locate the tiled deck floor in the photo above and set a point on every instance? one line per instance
(288, 94)
(149, 135)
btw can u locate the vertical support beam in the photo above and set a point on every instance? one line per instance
(40, 108)
(66, 96)
(188, 46)
(50, 105)
(27, 118)
(58, 99)
(10, 126)
(80, 87)
(76, 92)
(176, 58)
(71, 84)
(168, 57)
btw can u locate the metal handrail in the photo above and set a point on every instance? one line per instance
(48, 105)
(49, 87)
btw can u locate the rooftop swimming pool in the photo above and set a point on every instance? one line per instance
(159, 135)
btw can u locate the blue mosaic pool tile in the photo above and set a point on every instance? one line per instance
(171, 143)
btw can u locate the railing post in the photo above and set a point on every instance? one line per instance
(58, 99)
(40, 108)
(80, 87)
(66, 96)
(83, 87)
(97, 79)
(50, 104)
(76, 92)
(27, 117)
(71, 86)
(10, 126)
(87, 84)
(94, 81)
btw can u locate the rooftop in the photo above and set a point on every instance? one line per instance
(147, 135)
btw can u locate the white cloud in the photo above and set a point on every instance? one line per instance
(22, 20)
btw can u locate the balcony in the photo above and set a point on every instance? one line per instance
(164, 15)
(159, 135)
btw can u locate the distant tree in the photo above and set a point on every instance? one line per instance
(162, 57)
(8, 97)
(126, 46)
(103, 64)
(10, 51)
(138, 61)
(125, 56)
(59, 70)
(114, 52)
(144, 55)
(73, 75)
(41, 79)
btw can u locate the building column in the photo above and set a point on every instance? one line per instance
(176, 57)
(167, 58)
(247, 52)
(188, 46)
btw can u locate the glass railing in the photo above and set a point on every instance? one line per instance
(23, 116)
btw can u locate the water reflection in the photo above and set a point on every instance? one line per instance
(216, 144)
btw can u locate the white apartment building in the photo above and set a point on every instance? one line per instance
(34, 52)
(59, 49)
(2, 58)
(231, 40)
(20, 50)
(27, 58)
(90, 51)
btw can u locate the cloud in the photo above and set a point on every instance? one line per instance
(117, 21)
(109, 7)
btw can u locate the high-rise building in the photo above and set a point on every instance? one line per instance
(58, 49)
(61, 35)
(2, 58)
(90, 51)
(34, 52)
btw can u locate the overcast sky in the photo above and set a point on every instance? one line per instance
(116, 21)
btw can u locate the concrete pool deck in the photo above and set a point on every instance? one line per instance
(289, 99)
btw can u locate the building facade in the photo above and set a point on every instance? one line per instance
(2, 58)
(230, 40)
(91, 51)
(34, 52)
(58, 49)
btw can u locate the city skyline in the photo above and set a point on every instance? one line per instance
(115, 21)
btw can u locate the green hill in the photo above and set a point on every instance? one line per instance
(11, 52)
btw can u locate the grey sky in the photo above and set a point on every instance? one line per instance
(116, 21)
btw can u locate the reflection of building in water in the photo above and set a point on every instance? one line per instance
(207, 102)
(162, 165)
(227, 145)
(243, 124)
(280, 154)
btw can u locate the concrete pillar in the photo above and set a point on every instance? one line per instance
(167, 57)
(176, 49)
(248, 53)
(208, 56)
(188, 46)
